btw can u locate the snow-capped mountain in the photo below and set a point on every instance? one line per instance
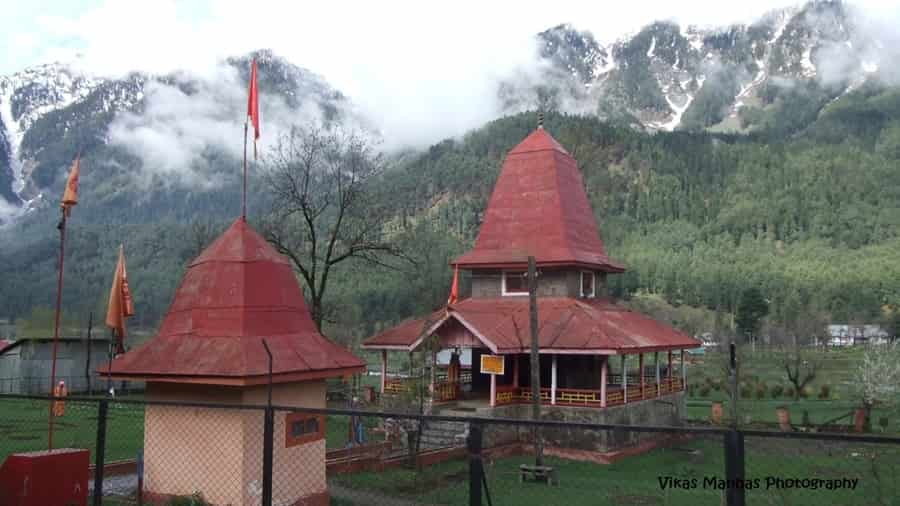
(50, 112)
(668, 76)
(775, 74)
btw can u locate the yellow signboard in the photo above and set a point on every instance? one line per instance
(492, 364)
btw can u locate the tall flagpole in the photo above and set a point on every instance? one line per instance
(59, 285)
(244, 201)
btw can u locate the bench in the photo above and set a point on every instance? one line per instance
(538, 473)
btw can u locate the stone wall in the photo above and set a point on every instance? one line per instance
(665, 410)
(551, 283)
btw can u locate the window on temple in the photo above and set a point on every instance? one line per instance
(303, 428)
(515, 283)
(587, 284)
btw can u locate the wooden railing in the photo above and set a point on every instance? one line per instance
(445, 391)
(506, 394)
(583, 397)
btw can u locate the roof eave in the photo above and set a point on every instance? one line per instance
(250, 380)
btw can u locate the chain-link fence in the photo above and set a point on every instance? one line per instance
(171, 453)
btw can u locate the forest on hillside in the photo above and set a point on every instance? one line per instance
(810, 220)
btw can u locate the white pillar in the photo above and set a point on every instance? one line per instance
(683, 371)
(553, 381)
(493, 390)
(383, 370)
(656, 360)
(624, 381)
(670, 368)
(603, 382)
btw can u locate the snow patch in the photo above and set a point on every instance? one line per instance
(677, 112)
(806, 63)
(652, 47)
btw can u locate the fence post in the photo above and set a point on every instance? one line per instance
(734, 467)
(475, 465)
(268, 433)
(100, 452)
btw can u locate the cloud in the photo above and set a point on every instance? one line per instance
(189, 121)
(422, 71)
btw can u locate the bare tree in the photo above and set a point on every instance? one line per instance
(800, 369)
(201, 234)
(324, 208)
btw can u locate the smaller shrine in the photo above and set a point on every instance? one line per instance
(209, 349)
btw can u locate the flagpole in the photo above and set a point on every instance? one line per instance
(244, 201)
(59, 285)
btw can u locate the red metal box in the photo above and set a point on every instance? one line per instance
(47, 478)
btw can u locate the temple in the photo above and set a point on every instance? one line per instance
(594, 352)
(209, 348)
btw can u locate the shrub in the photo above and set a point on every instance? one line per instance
(806, 418)
(776, 391)
(789, 392)
(717, 385)
(746, 392)
(824, 392)
(704, 391)
(883, 423)
(761, 391)
(806, 392)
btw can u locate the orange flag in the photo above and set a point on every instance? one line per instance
(70, 196)
(120, 304)
(253, 105)
(454, 288)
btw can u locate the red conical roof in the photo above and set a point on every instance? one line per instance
(539, 207)
(237, 292)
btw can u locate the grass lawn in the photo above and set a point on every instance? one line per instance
(838, 369)
(23, 428)
(635, 481)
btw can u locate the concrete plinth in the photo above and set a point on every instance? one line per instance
(665, 410)
(219, 452)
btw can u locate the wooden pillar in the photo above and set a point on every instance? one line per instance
(553, 380)
(383, 370)
(493, 390)
(515, 370)
(603, 373)
(624, 381)
(656, 360)
(641, 372)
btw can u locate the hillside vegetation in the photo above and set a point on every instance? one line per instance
(812, 220)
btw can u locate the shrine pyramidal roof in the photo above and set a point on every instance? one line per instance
(539, 208)
(238, 292)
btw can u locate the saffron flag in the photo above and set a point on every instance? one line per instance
(70, 195)
(454, 288)
(253, 105)
(120, 304)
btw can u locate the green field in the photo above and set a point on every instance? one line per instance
(838, 370)
(23, 428)
(636, 480)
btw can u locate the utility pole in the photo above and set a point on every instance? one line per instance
(535, 361)
(87, 363)
(733, 369)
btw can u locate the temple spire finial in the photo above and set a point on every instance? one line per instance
(541, 119)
